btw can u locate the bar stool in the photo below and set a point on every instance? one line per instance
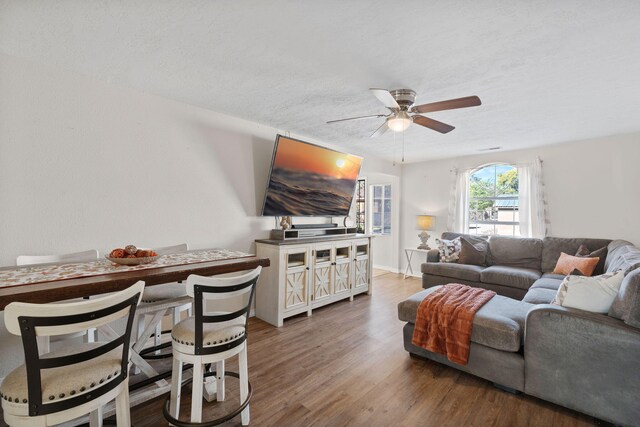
(167, 298)
(63, 385)
(215, 333)
(84, 256)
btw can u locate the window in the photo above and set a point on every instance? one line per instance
(381, 209)
(360, 196)
(493, 201)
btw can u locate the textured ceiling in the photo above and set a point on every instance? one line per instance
(546, 71)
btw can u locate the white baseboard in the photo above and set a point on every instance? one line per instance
(396, 270)
(386, 268)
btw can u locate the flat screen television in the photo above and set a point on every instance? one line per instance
(309, 180)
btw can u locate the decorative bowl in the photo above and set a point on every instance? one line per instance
(132, 261)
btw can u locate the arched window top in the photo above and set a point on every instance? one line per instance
(494, 180)
(493, 200)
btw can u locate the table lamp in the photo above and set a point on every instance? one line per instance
(424, 223)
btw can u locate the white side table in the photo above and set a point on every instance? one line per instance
(408, 252)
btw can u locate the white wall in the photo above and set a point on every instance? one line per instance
(591, 187)
(86, 164)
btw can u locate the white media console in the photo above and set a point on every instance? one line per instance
(309, 273)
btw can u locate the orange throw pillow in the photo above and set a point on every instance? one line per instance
(566, 264)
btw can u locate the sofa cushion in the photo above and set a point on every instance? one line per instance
(450, 235)
(614, 250)
(473, 251)
(626, 305)
(453, 270)
(515, 252)
(515, 277)
(553, 246)
(582, 265)
(547, 283)
(553, 276)
(498, 324)
(595, 294)
(449, 249)
(601, 254)
(622, 255)
(540, 296)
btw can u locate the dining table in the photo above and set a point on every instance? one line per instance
(46, 283)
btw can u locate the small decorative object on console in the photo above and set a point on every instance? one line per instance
(285, 222)
(424, 223)
(131, 255)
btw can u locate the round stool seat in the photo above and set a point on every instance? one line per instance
(64, 382)
(163, 292)
(213, 334)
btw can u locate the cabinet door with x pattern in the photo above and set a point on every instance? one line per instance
(296, 293)
(322, 272)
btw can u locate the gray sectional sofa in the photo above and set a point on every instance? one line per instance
(584, 361)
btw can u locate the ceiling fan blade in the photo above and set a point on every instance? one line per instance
(382, 129)
(451, 104)
(357, 118)
(433, 124)
(385, 97)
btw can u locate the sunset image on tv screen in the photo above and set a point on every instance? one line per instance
(310, 180)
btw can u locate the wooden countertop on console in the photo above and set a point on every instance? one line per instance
(312, 240)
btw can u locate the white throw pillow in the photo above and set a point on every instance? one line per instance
(595, 294)
(449, 249)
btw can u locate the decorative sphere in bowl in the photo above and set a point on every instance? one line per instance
(131, 255)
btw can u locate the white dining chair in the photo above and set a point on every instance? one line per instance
(84, 256)
(74, 257)
(169, 298)
(66, 384)
(216, 332)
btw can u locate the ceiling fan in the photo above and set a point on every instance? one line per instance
(403, 112)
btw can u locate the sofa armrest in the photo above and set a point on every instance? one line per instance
(433, 255)
(584, 361)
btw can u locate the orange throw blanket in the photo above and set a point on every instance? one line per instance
(445, 320)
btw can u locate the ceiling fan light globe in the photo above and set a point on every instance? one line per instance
(400, 122)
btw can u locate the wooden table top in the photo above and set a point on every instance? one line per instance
(59, 290)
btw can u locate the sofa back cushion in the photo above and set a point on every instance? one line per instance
(473, 251)
(552, 247)
(626, 305)
(515, 252)
(450, 235)
(622, 255)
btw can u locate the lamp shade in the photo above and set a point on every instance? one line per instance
(425, 222)
(399, 122)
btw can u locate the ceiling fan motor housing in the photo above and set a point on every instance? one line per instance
(404, 97)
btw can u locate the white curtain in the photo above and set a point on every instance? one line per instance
(458, 220)
(531, 200)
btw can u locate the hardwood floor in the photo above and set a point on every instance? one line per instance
(346, 366)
